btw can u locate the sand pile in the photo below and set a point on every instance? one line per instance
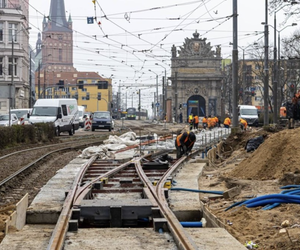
(279, 154)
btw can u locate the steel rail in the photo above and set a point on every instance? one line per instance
(181, 237)
(58, 235)
(47, 146)
(30, 165)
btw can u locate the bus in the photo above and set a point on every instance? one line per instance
(131, 113)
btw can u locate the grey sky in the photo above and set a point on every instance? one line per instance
(138, 37)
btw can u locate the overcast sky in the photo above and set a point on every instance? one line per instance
(137, 34)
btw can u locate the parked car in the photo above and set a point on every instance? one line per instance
(21, 113)
(4, 120)
(102, 120)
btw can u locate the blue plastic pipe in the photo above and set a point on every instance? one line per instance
(191, 223)
(198, 191)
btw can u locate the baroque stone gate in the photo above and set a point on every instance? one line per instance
(196, 80)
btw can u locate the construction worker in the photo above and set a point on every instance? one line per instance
(196, 122)
(184, 143)
(191, 118)
(227, 122)
(216, 121)
(204, 122)
(244, 124)
(209, 122)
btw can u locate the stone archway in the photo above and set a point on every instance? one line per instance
(196, 104)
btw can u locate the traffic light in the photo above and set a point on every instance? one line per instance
(99, 97)
(76, 96)
(180, 105)
(111, 104)
(152, 105)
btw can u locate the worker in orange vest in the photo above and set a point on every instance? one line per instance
(227, 122)
(196, 122)
(244, 124)
(209, 122)
(216, 121)
(184, 143)
(204, 122)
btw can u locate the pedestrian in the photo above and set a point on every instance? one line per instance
(180, 117)
(244, 124)
(204, 122)
(227, 122)
(196, 122)
(184, 143)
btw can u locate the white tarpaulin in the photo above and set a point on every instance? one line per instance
(110, 146)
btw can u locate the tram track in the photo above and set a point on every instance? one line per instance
(146, 175)
(19, 166)
(87, 180)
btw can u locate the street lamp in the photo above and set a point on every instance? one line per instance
(13, 38)
(164, 90)
(266, 68)
(279, 58)
(276, 72)
(275, 69)
(156, 109)
(244, 85)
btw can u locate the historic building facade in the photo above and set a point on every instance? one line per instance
(55, 75)
(196, 80)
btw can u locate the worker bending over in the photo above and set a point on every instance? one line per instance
(184, 143)
(227, 122)
(243, 124)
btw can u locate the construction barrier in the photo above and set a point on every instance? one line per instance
(22, 121)
(87, 124)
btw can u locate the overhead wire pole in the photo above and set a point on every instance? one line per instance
(266, 68)
(164, 90)
(275, 83)
(235, 68)
(156, 107)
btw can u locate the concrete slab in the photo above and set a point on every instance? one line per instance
(32, 237)
(46, 206)
(214, 239)
(187, 178)
(119, 238)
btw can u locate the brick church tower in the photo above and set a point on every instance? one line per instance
(57, 40)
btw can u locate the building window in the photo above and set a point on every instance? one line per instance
(1, 31)
(60, 54)
(2, 3)
(1, 66)
(10, 68)
(12, 31)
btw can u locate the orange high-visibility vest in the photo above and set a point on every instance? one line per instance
(179, 136)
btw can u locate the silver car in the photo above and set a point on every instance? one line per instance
(4, 120)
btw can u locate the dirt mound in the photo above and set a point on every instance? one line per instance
(277, 155)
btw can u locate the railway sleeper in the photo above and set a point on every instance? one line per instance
(118, 213)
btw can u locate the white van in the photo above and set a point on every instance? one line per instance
(81, 112)
(248, 113)
(62, 112)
